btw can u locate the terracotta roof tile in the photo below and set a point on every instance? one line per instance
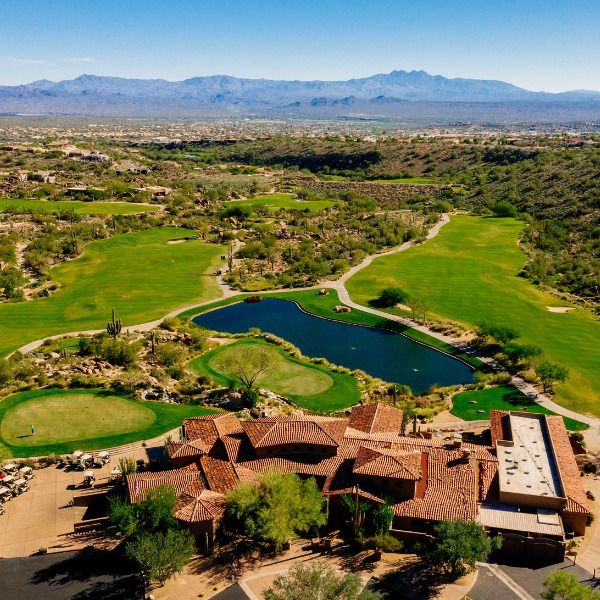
(389, 463)
(450, 493)
(210, 428)
(500, 426)
(220, 474)
(186, 449)
(277, 431)
(196, 505)
(376, 418)
(139, 483)
(576, 498)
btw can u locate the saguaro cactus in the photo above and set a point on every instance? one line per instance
(114, 327)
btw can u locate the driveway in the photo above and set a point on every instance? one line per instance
(86, 575)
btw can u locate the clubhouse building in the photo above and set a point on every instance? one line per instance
(525, 484)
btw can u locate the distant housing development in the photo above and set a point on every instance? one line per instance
(524, 484)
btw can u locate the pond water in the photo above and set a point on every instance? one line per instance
(384, 354)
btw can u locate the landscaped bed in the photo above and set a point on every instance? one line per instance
(274, 202)
(504, 397)
(66, 420)
(308, 385)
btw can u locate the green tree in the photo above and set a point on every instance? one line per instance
(391, 296)
(501, 334)
(550, 374)
(248, 362)
(457, 546)
(161, 555)
(317, 580)
(565, 586)
(277, 508)
(504, 209)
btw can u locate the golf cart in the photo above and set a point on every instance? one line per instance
(9, 481)
(88, 480)
(1, 509)
(85, 462)
(74, 458)
(21, 485)
(26, 473)
(5, 494)
(10, 469)
(102, 458)
(115, 476)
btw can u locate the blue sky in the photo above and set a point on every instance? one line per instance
(536, 44)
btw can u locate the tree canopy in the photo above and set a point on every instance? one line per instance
(565, 586)
(318, 580)
(248, 362)
(277, 508)
(457, 546)
(154, 537)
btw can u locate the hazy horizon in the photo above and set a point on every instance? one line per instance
(550, 46)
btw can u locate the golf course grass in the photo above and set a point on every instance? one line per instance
(504, 397)
(67, 420)
(468, 273)
(140, 274)
(276, 201)
(80, 208)
(310, 386)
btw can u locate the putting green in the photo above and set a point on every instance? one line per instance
(69, 417)
(308, 385)
(469, 272)
(503, 397)
(67, 420)
(141, 275)
(287, 377)
(80, 208)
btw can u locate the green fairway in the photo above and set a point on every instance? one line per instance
(468, 272)
(141, 275)
(80, 208)
(66, 420)
(504, 397)
(308, 385)
(277, 201)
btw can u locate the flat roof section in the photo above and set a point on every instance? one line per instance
(526, 464)
(544, 522)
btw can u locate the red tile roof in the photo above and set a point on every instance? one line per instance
(195, 448)
(389, 463)
(376, 418)
(277, 431)
(451, 491)
(139, 483)
(500, 426)
(210, 428)
(576, 498)
(196, 504)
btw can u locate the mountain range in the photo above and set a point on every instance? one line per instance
(393, 94)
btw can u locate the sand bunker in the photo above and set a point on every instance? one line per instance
(560, 309)
(176, 241)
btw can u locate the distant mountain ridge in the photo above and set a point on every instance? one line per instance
(93, 94)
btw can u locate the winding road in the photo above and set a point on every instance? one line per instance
(339, 286)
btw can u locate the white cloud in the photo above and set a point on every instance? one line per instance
(15, 61)
(83, 59)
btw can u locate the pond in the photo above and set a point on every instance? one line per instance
(384, 354)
